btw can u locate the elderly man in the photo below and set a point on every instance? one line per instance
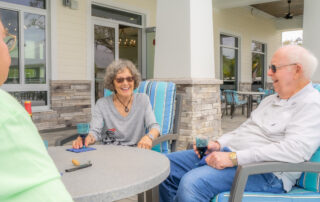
(285, 127)
(27, 173)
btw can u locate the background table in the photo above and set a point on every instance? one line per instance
(249, 95)
(117, 171)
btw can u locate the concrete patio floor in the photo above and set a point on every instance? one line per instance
(227, 125)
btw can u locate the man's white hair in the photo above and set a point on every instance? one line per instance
(300, 55)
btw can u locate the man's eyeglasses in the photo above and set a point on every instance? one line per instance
(11, 41)
(121, 79)
(274, 68)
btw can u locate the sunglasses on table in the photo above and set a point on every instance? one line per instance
(121, 79)
(274, 68)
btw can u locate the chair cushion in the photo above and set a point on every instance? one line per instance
(295, 195)
(316, 86)
(162, 98)
(310, 181)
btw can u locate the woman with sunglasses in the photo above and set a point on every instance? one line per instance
(123, 117)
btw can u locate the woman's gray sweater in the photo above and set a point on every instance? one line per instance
(122, 130)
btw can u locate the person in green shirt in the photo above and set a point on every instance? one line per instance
(27, 173)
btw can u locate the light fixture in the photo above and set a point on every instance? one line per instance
(124, 41)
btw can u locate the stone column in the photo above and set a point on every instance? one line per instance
(184, 55)
(200, 110)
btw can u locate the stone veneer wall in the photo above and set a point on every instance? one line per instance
(70, 104)
(200, 110)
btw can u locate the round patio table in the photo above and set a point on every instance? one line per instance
(117, 172)
(249, 94)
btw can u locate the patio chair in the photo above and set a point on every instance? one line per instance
(305, 190)
(233, 100)
(223, 102)
(166, 105)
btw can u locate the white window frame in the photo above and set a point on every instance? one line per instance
(237, 76)
(105, 22)
(22, 87)
(265, 69)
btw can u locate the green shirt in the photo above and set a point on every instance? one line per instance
(27, 173)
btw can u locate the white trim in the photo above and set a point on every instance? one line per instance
(22, 87)
(19, 7)
(238, 72)
(265, 67)
(100, 22)
(90, 42)
(53, 41)
(120, 6)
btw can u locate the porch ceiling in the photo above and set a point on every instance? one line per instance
(279, 9)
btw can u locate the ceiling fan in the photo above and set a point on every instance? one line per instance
(289, 15)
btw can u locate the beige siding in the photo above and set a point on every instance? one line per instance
(147, 7)
(240, 22)
(71, 44)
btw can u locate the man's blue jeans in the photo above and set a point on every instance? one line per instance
(189, 182)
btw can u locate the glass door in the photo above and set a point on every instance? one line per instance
(105, 51)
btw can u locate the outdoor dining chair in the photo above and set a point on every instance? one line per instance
(232, 99)
(306, 189)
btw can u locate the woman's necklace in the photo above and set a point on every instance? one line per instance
(126, 109)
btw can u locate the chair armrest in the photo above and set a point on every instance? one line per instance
(61, 141)
(163, 138)
(243, 171)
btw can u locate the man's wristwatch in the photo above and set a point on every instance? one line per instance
(150, 136)
(233, 158)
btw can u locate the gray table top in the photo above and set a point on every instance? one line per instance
(117, 171)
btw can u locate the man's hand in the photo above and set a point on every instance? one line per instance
(219, 160)
(145, 142)
(79, 144)
(212, 146)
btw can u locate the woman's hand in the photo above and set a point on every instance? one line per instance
(79, 144)
(145, 142)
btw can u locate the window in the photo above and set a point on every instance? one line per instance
(258, 65)
(27, 28)
(117, 15)
(229, 61)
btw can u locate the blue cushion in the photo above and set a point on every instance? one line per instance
(316, 86)
(310, 181)
(108, 92)
(295, 195)
(162, 98)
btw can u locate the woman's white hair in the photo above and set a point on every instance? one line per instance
(300, 55)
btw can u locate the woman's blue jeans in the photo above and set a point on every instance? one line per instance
(189, 182)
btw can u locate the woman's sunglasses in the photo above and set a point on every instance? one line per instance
(274, 68)
(121, 79)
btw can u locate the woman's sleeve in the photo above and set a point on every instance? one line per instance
(149, 118)
(97, 122)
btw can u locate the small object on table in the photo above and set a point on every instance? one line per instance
(79, 167)
(81, 149)
(27, 106)
(75, 162)
(83, 130)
